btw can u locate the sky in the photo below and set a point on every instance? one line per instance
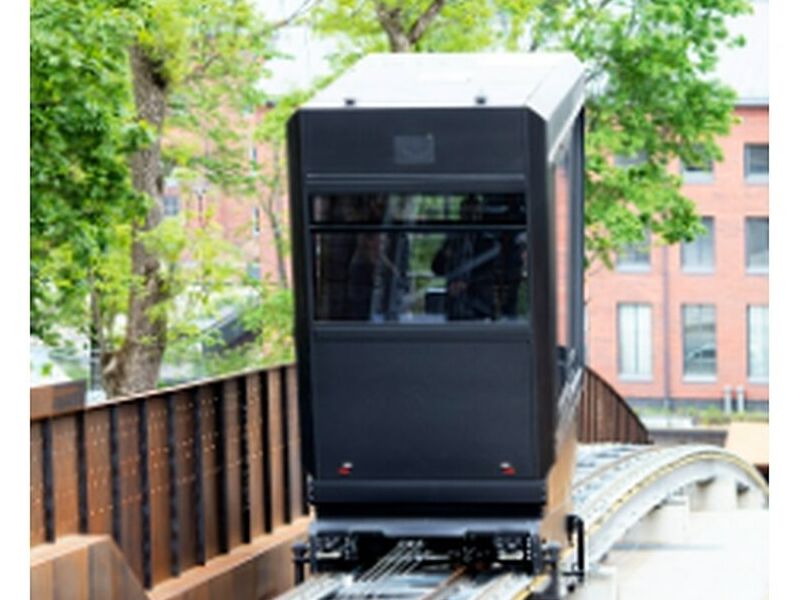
(745, 69)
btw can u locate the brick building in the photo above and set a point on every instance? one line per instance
(243, 220)
(710, 345)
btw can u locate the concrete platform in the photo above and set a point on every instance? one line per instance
(708, 555)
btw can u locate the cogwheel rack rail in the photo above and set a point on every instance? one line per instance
(614, 487)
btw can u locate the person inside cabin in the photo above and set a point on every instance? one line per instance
(482, 268)
(466, 261)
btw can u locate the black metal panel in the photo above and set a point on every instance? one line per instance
(266, 461)
(244, 465)
(172, 469)
(541, 228)
(285, 454)
(481, 140)
(221, 467)
(47, 480)
(144, 487)
(424, 409)
(302, 284)
(422, 416)
(430, 492)
(83, 492)
(116, 501)
(197, 481)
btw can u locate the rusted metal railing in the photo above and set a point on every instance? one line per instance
(175, 476)
(180, 475)
(604, 416)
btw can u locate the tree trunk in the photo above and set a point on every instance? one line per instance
(273, 195)
(402, 39)
(134, 367)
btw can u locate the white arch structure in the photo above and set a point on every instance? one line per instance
(616, 486)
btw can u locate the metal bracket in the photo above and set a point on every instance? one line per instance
(300, 558)
(575, 528)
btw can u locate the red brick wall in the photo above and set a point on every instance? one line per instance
(728, 199)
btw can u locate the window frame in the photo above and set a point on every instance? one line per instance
(316, 228)
(702, 269)
(170, 200)
(634, 377)
(756, 178)
(757, 269)
(756, 379)
(635, 267)
(699, 377)
(622, 161)
(692, 175)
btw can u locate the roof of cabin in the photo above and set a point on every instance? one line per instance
(538, 80)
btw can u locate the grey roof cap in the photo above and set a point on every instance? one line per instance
(746, 69)
(537, 80)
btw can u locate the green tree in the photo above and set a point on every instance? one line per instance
(111, 82)
(651, 88)
(81, 129)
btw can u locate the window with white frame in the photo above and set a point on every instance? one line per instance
(701, 171)
(171, 204)
(635, 256)
(757, 244)
(635, 341)
(756, 163)
(697, 256)
(699, 341)
(254, 270)
(624, 161)
(758, 343)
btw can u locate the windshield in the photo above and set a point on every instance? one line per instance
(416, 258)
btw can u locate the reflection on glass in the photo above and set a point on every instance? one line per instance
(417, 209)
(699, 340)
(399, 274)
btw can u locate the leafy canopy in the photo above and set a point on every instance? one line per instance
(651, 81)
(209, 56)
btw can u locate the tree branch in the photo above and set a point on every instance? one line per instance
(393, 26)
(288, 20)
(424, 21)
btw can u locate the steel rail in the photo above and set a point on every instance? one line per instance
(614, 487)
(630, 493)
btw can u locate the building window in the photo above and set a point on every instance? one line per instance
(699, 342)
(699, 172)
(635, 341)
(758, 343)
(697, 256)
(256, 221)
(635, 257)
(624, 162)
(171, 204)
(253, 154)
(756, 163)
(254, 270)
(757, 244)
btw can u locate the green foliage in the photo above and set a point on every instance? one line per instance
(650, 81)
(650, 73)
(209, 56)
(273, 318)
(712, 415)
(81, 128)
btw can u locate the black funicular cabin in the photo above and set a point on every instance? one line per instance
(437, 227)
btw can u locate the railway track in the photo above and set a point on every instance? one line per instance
(614, 486)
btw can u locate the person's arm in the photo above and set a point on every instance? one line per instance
(439, 265)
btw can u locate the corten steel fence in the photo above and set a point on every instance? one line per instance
(604, 416)
(180, 475)
(176, 476)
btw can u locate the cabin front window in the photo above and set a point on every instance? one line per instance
(413, 258)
